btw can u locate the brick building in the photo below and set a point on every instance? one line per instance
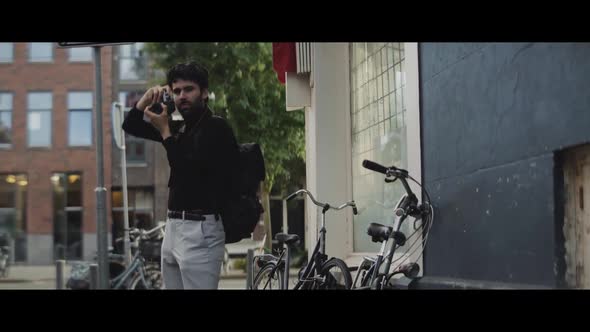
(147, 165)
(47, 149)
(48, 157)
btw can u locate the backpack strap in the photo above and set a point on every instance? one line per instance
(206, 116)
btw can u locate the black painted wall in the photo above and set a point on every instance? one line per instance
(493, 116)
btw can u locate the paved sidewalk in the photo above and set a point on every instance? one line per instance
(43, 277)
(32, 277)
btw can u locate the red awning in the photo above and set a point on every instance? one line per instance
(283, 59)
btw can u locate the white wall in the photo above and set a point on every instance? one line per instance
(413, 124)
(327, 136)
(39, 249)
(328, 144)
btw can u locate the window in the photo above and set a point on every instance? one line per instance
(134, 146)
(80, 54)
(80, 118)
(378, 115)
(140, 211)
(40, 52)
(40, 105)
(13, 212)
(132, 62)
(6, 52)
(67, 215)
(5, 119)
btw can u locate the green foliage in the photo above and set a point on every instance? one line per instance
(240, 264)
(249, 95)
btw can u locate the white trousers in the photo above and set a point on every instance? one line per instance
(192, 253)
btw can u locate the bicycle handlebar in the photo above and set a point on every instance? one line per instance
(400, 173)
(351, 204)
(388, 171)
(153, 230)
(140, 233)
(409, 204)
(290, 197)
(325, 206)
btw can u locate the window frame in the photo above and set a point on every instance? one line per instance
(30, 58)
(80, 110)
(7, 146)
(412, 118)
(50, 122)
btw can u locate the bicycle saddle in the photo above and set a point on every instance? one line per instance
(378, 232)
(286, 238)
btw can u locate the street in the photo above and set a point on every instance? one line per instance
(43, 277)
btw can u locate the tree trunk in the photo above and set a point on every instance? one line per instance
(267, 223)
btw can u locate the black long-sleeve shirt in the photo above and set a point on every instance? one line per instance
(202, 161)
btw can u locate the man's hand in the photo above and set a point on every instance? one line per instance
(152, 96)
(160, 121)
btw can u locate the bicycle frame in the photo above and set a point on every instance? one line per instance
(135, 266)
(377, 277)
(120, 280)
(318, 257)
(315, 262)
(4, 260)
(137, 262)
(376, 262)
(276, 269)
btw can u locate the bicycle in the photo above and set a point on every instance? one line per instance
(368, 275)
(4, 255)
(4, 261)
(273, 268)
(319, 273)
(225, 262)
(140, 274)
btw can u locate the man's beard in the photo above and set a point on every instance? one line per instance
(195, 110)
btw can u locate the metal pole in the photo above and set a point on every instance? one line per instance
(249, 268)
(285, 222)
(100, 190)
(126, 241)
(287, 267)
(59, 273)
(288, 250)
(12, 252)
(94, 276)
(323, 234)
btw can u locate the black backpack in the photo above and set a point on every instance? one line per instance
(243, 211)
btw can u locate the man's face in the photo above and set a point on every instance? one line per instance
(187, 96)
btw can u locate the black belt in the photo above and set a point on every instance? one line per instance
(196, 215)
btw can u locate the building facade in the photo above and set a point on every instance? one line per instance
(147, 166)
(48, 150)
(495, 131)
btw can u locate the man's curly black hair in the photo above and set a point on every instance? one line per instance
(189, 71)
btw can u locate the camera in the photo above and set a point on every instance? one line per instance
(168, 101)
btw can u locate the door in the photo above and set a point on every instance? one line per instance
(577, 216)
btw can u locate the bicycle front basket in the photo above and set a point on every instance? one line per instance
(151, 249)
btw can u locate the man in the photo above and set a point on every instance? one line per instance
(202, 156)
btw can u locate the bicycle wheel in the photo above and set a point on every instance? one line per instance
(153, 279)
(225, 262)
(5, 272)
(305, 283)
(334, 274)
(363, 276)
(4, 265)
(266, 279)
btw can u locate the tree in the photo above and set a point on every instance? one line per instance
(249, 95)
